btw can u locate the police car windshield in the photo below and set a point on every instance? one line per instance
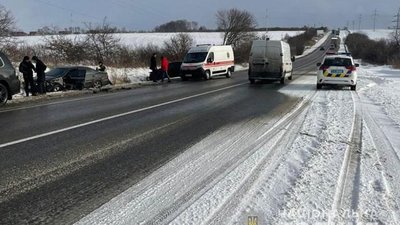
(195, 57)
(337, 62)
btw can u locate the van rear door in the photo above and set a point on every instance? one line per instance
(274, 56)
(258, 56)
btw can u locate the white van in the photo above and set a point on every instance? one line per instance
(207, 61)
(270, 60)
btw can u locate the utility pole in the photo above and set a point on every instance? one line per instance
(266, 24)
(375, 15)
(359, 21)
(354, 25)
(397, 28)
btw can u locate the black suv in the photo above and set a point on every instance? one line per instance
(9, 82)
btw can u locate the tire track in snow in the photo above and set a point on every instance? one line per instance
(186, 171)
(388, 162)
(305, 194)
(266, 168)
(347, 195)
(191, 198)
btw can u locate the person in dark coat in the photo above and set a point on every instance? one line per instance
(41, 77)
(101, 67)
(153, 63)
(26, 68)
(164, 68)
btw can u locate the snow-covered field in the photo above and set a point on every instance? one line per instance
(375, 35)
(143, 39)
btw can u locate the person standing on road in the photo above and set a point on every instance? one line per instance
(41, 77)
(164, 68)
(101, 67)
(26, 68)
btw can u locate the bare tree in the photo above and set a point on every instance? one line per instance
(178, 46)
(103, 41)
(64, 48)
(7, 23)
(237, 25)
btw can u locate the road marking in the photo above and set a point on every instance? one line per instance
(115, 116)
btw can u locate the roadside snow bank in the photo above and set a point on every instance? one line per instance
(381, 84)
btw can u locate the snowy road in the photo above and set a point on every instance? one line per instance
(218, 152)
(332, 159)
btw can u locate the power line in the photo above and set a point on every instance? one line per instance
(66, 9)
(74, 12)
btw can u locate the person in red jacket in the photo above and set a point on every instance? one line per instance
(164, 68)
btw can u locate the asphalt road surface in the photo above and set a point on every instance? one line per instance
(61, 160)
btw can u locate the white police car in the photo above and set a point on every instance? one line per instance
(337, 70)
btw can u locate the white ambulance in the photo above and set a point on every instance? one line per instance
(206, 61)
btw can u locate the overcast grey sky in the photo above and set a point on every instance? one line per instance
(146, 14)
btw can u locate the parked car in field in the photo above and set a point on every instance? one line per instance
(75, 77)
(9, 82)
(337, 70)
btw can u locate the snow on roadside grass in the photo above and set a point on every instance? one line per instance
(138, 75)
(381, 84)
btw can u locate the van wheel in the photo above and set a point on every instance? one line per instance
(207, 75)
(319, 86)
(282, 81)
(353, 88)
(3, 94)
(252, 81)
(291, 76)
(229, 74)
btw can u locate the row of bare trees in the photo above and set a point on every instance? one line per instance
(384, 51)
(101, 43)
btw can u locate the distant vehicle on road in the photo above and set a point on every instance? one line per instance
(337, 70)
(9, 82)
(207, 61)
(270, 60)
(75, 77)
(331, 51)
